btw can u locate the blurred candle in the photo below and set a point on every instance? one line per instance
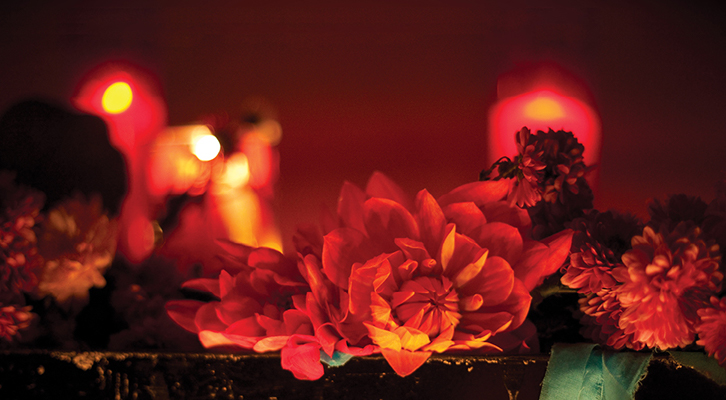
(127, 99)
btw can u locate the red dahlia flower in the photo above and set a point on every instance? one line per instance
(264, 305)
(432, 276)
(259, 307)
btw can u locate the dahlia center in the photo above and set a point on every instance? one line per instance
(429, 304)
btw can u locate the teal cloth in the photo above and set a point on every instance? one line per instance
(337, 360)
(585, 371)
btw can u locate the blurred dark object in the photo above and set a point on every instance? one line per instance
(60, 153)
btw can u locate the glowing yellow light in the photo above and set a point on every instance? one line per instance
(205, 147)
(237, 172)
(544, 108)
(117, 98)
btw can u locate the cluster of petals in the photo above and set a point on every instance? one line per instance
(19, 259)
(668, 278)
(423, 276)
(261, 303)
(13, 319)
(601, 320)
(711, 329)
(77, 241)
(525, 189)
(600, 240)
(565, 170)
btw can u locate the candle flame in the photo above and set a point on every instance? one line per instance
(117, 98)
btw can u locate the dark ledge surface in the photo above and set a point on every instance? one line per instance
(147, 375)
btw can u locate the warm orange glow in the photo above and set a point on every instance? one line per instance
(544, 108)
(237, 171)
(206, 146)
(117, 98)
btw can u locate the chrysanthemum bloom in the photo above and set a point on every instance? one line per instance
(711, 329)
(565, 170)
(600, 240)
(78, 243)
(13, 319)
(668, 280)
(524, 173)
(525, 191)
(19, 259)
(601, 317)
(435, 276)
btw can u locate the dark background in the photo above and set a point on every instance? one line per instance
(401, 87)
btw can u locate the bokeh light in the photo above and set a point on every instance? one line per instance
(117, 98)
(205, 146)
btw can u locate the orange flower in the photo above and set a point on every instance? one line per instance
(256, 308)
(78, 243)
(426, 276)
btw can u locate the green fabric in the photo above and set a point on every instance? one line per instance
(584, 371)
(707, 366)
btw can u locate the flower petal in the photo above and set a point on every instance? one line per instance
(379, 185)
(479, 193)
(350, 206)
(361, 283)
(207, 319)
(501, 211)
(493, 284)
(247, 327)
(431, 221)
(530, 267)
(501, 240)
(387, 220)
(385, 339)
(467, 217)
(405, 362)
(183, 312)
(203, 285)
(236, 307)
(303, 360)
(559, 245)
(517, 304)
(211, 339)
(271, 343)
(341, 249)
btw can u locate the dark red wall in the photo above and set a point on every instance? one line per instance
(401, 87)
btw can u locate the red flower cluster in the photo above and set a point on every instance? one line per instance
(650, 295)
(404, 277)
(20, 262)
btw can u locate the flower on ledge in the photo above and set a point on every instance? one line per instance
(668, 278)
(524, 173)
(78, 243)
(711, 329)
(262, 303)
(426, 276)
(13, 319)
